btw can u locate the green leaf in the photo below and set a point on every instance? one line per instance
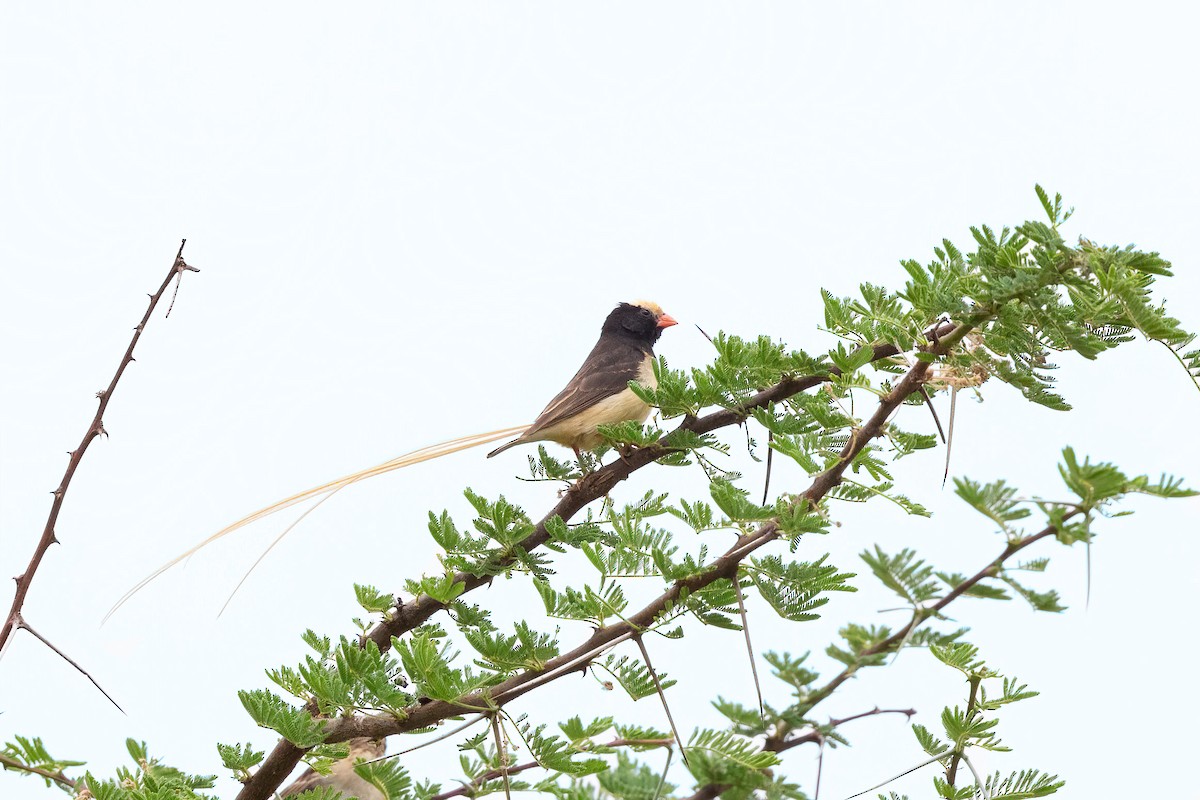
(903, 573)
(239, 758)
(388, 776)
(633, 676)
(373, 600)
(794, 590)
(735, 503)
(268, 710)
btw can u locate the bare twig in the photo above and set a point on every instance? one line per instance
(21, 623)
(95, 428)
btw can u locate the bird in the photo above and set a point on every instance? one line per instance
(599, 394)
(342, 777)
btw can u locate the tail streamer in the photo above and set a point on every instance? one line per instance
(327, 490)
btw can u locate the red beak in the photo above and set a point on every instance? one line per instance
(666, 321)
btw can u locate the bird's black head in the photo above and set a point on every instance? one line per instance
(640, 321)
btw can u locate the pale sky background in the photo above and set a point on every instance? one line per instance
(410, 221)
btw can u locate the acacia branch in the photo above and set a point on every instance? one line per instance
(58, 777)
(95, 428)
(433, 712)
(409, 615)
(952, 772)
(895, 641)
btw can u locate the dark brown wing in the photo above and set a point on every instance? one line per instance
(606, 371)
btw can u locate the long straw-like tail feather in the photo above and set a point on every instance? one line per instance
(327, 489)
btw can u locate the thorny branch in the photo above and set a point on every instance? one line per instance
(409, 615)
(14, 620)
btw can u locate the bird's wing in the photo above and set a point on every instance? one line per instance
(309, 780)
(606, 371)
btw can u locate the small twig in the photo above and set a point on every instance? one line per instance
(737, 585)
(21, 623)
(95, 428)
(663, 697)
(57, 777)
(952, 770)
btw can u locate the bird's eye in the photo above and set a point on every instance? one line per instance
(647, 313)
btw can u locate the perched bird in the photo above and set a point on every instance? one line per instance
(343, 778)
(599, 394)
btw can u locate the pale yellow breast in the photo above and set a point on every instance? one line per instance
(580, 431)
